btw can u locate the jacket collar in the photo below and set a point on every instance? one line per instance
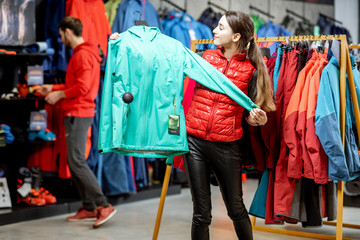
(144, 32)
(239, 56)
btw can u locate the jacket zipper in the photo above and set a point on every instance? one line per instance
(214, 106)
(145, 110)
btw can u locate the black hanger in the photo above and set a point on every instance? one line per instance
(217, 6)
(265, 52)
(140, 22)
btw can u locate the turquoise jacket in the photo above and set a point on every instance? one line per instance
(152, 67)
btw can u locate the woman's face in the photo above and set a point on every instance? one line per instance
(223, 34)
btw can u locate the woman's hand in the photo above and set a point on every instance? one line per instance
(114, 36)
(257, 117)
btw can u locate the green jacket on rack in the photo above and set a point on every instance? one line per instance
(151, 67)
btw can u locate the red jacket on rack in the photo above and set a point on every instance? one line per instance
(93, 16)
(214, 116)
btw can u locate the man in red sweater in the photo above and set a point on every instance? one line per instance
(77, 96)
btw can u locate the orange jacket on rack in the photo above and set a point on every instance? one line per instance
(214, 116)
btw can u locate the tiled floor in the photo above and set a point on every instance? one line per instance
(135, 221)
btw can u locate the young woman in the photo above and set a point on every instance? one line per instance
(214, 124)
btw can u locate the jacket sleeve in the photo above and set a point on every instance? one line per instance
(105, 130)
(56, 87)
(290, 136)
(327, 127)
(203, 72)
(313, 146)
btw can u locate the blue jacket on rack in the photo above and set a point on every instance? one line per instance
(343, 165)
(127, 15)
(270, 29)
(178, 24)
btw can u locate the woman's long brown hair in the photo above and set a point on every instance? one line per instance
(242, 23)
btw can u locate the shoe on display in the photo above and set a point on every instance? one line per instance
(33, 199)
(103, 215)
(82, 215)
(47, 196)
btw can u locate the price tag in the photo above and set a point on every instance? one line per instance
(174, 124)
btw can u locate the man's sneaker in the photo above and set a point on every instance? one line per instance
(82, 215)
(103, 215)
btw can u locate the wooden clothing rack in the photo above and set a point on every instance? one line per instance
(345, 68)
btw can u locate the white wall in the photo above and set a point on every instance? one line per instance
(347, 11)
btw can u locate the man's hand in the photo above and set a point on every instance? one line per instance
(44, 89)
(114, 36)
(54, 97)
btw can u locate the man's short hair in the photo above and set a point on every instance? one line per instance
(71, 23)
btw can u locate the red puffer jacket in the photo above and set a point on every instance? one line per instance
(214, 116)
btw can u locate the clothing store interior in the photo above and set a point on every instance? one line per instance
(111, 113)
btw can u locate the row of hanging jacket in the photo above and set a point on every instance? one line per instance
(128, 11)
(329, 27)
(270, 29)
(210, 18)
(305, 152)
(185, 28)
(298, 28)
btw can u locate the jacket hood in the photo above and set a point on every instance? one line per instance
(90, 47)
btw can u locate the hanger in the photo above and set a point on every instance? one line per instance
(265, 52)
(327, 43)
(140, 22)
(217, 6)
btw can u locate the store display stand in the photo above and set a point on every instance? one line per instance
(162, 201)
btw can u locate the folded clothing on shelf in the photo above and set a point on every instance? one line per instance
(45, 135)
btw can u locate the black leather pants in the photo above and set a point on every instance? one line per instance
(224, 159)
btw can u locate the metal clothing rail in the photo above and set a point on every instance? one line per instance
(345, 67)
(298, 15)
(261, 11)
(176, 6)
(330, 18)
